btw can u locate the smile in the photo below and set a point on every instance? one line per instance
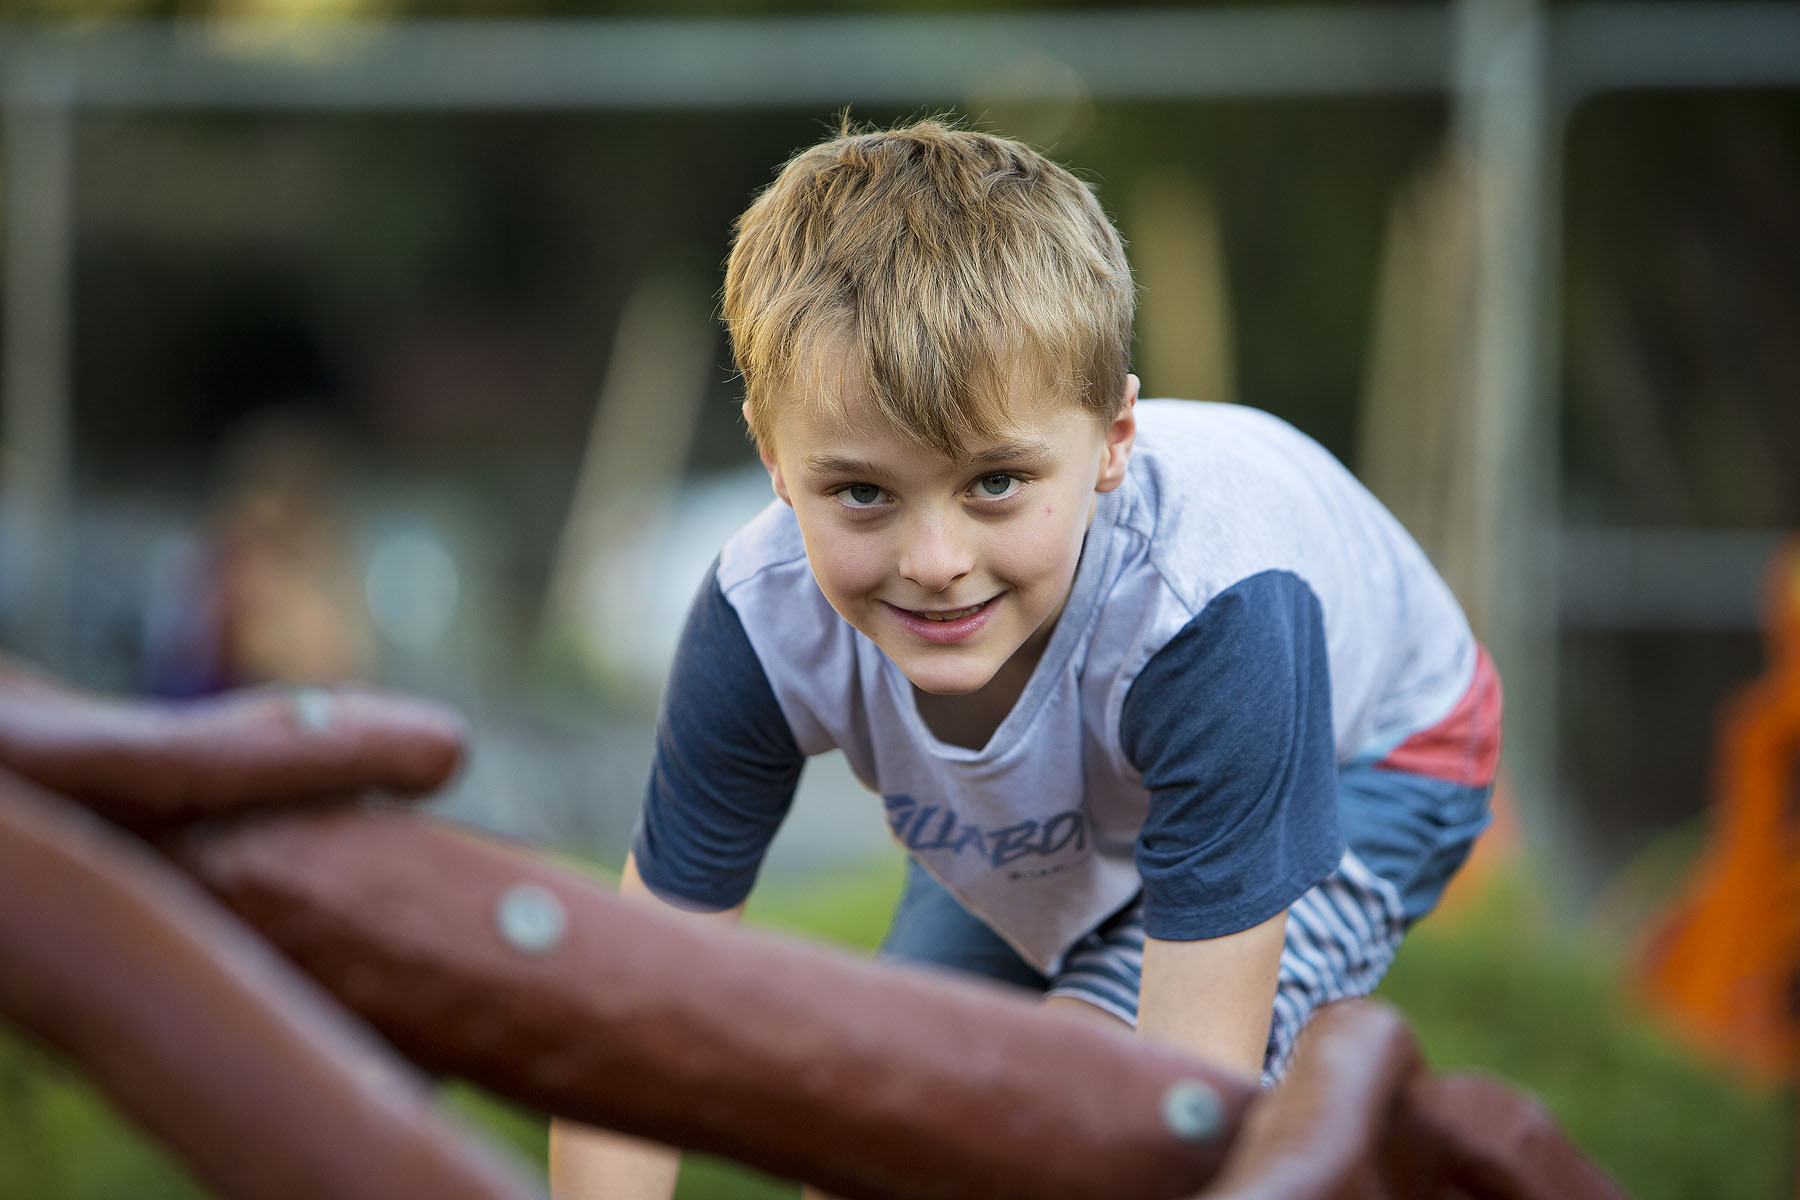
(952, 614)
(946, 624)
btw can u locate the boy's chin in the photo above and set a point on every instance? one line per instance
(942, 682)
(936, 688)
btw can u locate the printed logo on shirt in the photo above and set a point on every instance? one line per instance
(926, 827)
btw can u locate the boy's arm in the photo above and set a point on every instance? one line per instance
(1216, 997)
(593, 1164)
(1230, 727)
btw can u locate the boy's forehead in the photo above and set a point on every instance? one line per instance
(828, 398)
(835, 433)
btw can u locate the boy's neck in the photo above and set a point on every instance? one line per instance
(969, 720)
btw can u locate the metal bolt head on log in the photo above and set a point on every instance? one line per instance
(1192, 1111)
(315, 709)
(530, 918)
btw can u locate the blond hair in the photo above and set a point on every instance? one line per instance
(931, 265)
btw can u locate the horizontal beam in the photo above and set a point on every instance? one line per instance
(1611, 47)
(1229, 52)
(719, 63)
(1622, 579)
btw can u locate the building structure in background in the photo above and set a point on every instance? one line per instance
(1497, 79)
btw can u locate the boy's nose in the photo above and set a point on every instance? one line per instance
(936, 556)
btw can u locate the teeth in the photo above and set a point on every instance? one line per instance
(952, 616)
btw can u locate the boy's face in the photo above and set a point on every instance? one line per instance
(952, 566)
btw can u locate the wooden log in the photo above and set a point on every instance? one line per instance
(147, 765)
(1359, 1118)
(1322, 1132)
(203, 1035)
(1490, 1142)
(873, 1082)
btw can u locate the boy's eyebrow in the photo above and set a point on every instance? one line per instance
(1010, 450)
(831, 464)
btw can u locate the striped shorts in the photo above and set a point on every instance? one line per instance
(1407, 832)
(1341, 937)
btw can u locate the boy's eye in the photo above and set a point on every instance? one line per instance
(861, 495)
(997, 487)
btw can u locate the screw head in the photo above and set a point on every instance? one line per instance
(314, 709)
(530, 918)
(1192, 1111)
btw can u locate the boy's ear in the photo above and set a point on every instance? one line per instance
(1121, 431)
(774, 470)
(769, 464)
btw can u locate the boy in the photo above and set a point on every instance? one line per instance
(1176, 722)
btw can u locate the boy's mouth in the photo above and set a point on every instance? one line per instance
(944, 624)
(949, 614)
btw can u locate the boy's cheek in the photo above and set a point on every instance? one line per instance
(844, 568)
(1043, 549)
(855, 581)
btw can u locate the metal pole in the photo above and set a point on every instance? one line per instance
(38, 169)
(1503, 120)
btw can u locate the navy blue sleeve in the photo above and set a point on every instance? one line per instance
(1230, 726)
(725, 767)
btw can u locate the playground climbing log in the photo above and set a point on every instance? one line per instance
(227, 920)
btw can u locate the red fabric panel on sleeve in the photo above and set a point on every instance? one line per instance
(1464, 747)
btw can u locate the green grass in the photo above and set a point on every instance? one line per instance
(59, 1139)
(1493, 987)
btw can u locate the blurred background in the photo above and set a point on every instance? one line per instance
(375, 340)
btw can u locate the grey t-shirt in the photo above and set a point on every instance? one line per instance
(1246, 619)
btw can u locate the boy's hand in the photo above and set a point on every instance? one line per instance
(594, 1163)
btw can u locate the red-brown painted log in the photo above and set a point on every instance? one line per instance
(147, 764)
(1495, 1144)
(1358, 1118)
(201, 1033)
(872, 1082)
(1321, 1132)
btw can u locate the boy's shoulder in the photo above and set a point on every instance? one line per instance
(1225, 498)
(1220, 492)
(1226, 458)
(1193, 437)
(763, 574)
(769, 542)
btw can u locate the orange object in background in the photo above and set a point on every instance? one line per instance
(1724, 967)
